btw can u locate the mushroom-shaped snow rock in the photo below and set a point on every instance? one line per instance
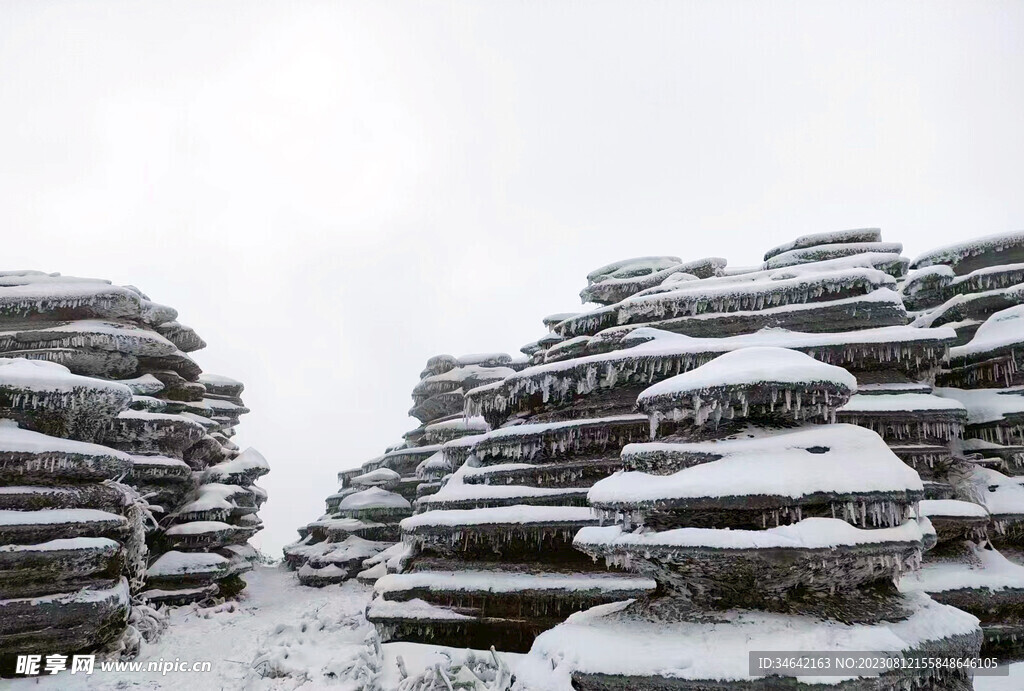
(760, 381)
(994, 357)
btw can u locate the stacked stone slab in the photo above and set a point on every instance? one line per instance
(925, 427)
(977, 288)
(358, 536)
(90, 363)
(560, 424)
(492, 561)
(962, 285)
(765, 524)
(841, 293)
(70, 533)
(487, 558)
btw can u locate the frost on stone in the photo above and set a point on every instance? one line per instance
(651, 355)
(825, 252)
(474, 672)
(964, 257)
(83, 352)
(630, 268)
(778, 288)
(618, 281)
(458, 426)
(840, 237)
(994, 357)
(66, 297)
(557, 439)
(758, 380)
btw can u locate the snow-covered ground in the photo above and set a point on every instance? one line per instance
(281, 636)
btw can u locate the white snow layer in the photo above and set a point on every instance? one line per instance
(751, 366)
(810, 533)
(520, 514)
(986, 568)
(597, 641)
(986, 405)
(374, 498)
(13, 439)
(1004, 329)
(837, 458)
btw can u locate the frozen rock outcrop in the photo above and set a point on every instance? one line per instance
(359, 534)
(761, 520)
(115, 465)
(909, 453)
(491, 560)
(975, 288)
(558, 427)
(70, 538)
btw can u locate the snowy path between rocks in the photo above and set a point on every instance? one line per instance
(281, 636)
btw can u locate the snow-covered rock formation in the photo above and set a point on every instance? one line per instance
(511, 507)
(872, 374)
(117, 474)
(492, 561)
(359, 536)
(763, 522)
(977, 288)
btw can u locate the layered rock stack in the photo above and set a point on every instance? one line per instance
(765, 525)
(507, 514)
(111, 438)
(71, 534)
(359, 535)
(977, 288)
(488, 558)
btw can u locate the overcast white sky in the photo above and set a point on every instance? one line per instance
(331, 192)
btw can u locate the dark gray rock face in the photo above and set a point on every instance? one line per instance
(119, 482)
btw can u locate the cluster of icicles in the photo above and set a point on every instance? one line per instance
(57, 400)
(28, 306)
(670, 305)
(1007, 277)
(553, 475)
(558, 442)
(889, 429)
(496, 538)
(585, 378)
(119, 342)
(878, 514)
(889, 565)
(728, 404)
(995, 371)
(1001, 434)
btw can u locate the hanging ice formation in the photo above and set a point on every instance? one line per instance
(119, 478)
